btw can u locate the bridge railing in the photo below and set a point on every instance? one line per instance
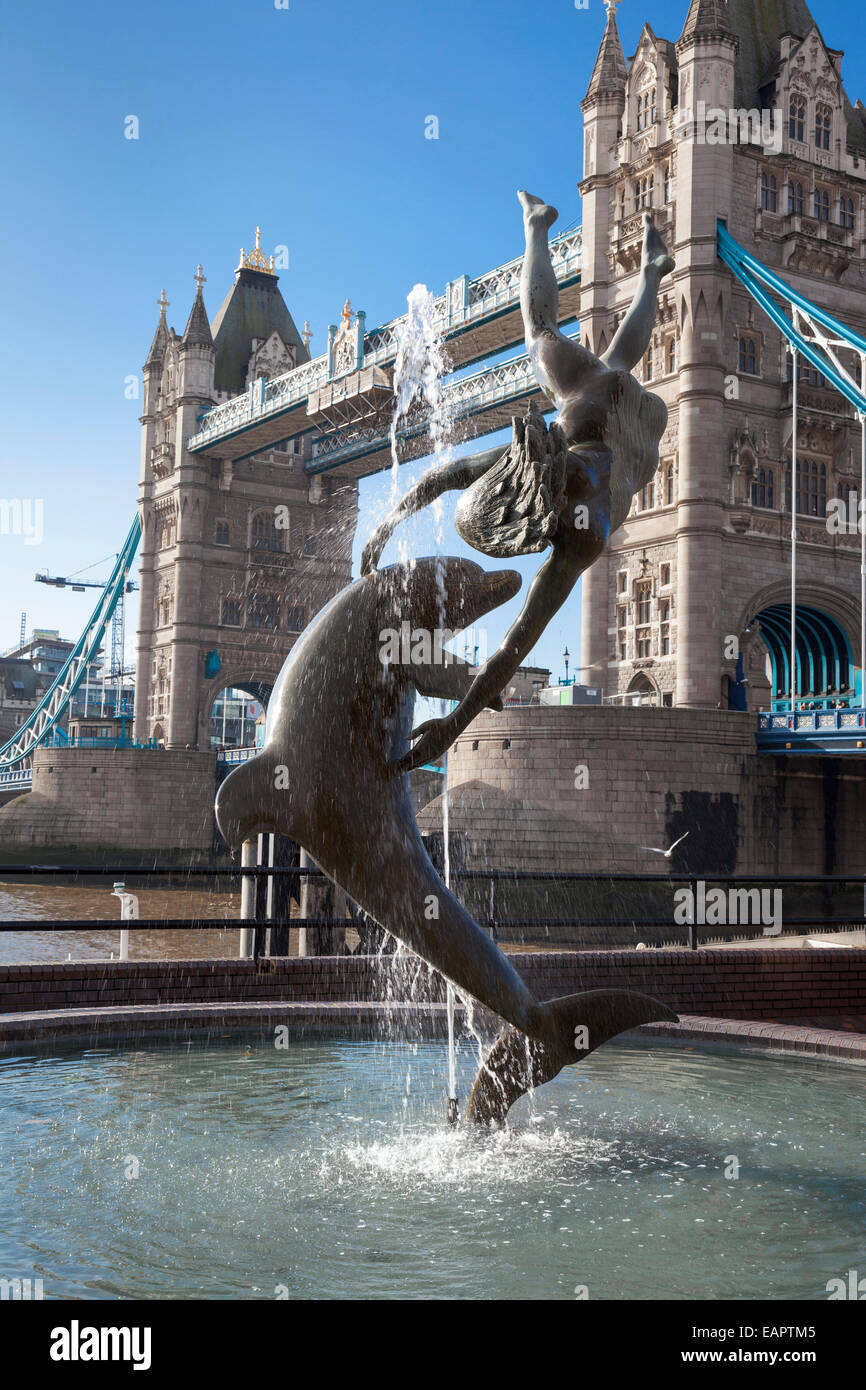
(464, 302)
(800, 721)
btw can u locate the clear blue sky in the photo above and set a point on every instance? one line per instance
(309, 121)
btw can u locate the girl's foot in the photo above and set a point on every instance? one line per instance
(535, 210)
(655, 253)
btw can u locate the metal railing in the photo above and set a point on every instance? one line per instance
(465, 303)
(496, 879)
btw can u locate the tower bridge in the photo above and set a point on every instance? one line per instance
(730, 540)
(477, 319)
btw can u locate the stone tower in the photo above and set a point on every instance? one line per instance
(235, 556)
(743, 118)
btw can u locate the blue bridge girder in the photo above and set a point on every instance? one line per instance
(478, 319)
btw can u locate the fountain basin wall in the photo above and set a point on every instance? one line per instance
(747, 984)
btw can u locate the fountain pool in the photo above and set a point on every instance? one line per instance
(325, 1170)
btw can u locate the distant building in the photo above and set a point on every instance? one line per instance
(100, 731)
(525, 685)
(21, 689)
(48, 653)
(235, 717)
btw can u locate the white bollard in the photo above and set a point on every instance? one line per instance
(248, 897)
(128, 913)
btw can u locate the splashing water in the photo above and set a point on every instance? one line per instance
(419, 371)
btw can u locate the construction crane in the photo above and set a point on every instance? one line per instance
(115, 670)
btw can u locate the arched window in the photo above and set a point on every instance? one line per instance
(296, 618)
(811, 494)
(762, 490)
(672, 355)
(647, 498)
(648, 364)
(310, 545)
(264, 611)
(266, 535)
(795, 198)
(769, 192)
(669, 496)
(823, 121)
(646, 109)
(821, 207)
(643, 632)
(222, 535)
(667, 186)
(622, 202)
(643, 193)
(665, 627)
(232, 612)
(846, 213)
(748, 357)
(797, 118)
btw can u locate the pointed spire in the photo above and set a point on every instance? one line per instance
(610, 73)
(197, 332)
(160, 337)
(707, 19)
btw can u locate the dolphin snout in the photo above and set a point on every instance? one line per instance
(501, 585)
(489, 591)
(241, 808)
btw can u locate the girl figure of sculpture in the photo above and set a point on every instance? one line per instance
(567, 487)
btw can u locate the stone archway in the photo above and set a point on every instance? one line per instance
(824, 672)
(644, 690)
(233, 713)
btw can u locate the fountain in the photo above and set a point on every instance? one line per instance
(332, 773)
(234, 1165)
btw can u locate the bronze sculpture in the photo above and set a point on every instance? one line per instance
(339, 721)
(566, 488)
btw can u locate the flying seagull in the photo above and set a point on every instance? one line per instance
(666, 852)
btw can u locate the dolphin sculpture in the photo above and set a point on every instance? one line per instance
(339, 718)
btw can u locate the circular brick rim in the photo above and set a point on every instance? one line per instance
(388, 1020)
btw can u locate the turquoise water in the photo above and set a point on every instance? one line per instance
(325, 1171)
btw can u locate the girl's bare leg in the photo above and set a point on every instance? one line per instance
(558, 362)
(632, 338)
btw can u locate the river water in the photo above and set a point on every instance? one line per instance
(58, 903)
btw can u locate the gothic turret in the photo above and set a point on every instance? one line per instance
(160, 337)
(611, 70)
(197, 332)
(707, 19)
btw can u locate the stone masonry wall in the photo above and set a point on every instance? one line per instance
(585, 788)
(124, 798)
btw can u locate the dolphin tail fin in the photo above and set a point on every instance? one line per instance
(576, 1025)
